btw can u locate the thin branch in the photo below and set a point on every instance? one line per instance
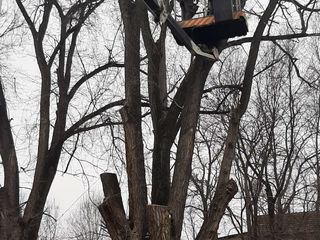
(91, 74)
(293, 61)
(231, 86)
(82, 18)
(302, 6)
(27, 18)
(72, 153)
(75, 127)
(272, 38)
(268, 66)
(214, 112)
(59, 8)
(96, 126)
(45, 21)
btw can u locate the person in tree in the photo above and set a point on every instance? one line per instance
(188, 8)
(238, 5)
(243, 2)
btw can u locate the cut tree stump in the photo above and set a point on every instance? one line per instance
(112, 209)
(159, 222)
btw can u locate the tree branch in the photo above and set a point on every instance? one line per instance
(90, 75)
(272, 38)
(75, 127)
(9, 159)
(27, 17)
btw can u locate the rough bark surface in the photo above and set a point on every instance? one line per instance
(159, 222)
(112, 209)
(210, 227)
(131, 116)
(157, 90)
(189, 118)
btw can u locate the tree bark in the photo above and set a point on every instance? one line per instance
(157, 89)
(9, 194)
(189, 118)
(159, 222)
(226, 189)
(10, 227)
(136, 175)
(112, 209)
(131, 116)
(220, 202)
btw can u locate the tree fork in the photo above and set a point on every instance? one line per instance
(197, 74)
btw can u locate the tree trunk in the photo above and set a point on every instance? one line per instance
(10, 218)
(210, 225)
(159, 222)
(10, 228)
(157, 90)
(220, 202)
(45, 173)
(189, 119)
(131, 116)
(112, 209)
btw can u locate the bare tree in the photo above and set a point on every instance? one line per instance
(60, 81)
(180, 118)
(274, 150)
(174, 116)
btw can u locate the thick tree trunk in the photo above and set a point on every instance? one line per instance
(136, 175)
(131, 116)
(157, 89)
(47, 157)
(217, 208)
(10, 227)
(189, 119)
(159, 222)
(157, 94)
(45, 173)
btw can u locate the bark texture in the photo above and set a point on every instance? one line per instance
(112, 209)
(131, 116)
(196, 77)
(159, 222)
(157, 89)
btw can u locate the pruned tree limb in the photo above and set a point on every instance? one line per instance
(112, 209)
